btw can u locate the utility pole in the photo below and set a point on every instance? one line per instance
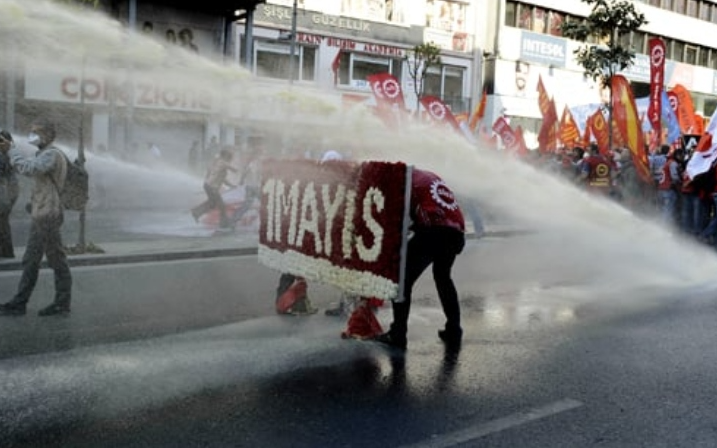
(292, 45)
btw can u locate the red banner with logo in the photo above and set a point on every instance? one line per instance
(507, 135)
(335, 222)
(657, 81)
(598, 127)
(628, 122)
(387, 90)
(439, 112)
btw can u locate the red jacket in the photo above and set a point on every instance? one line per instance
(433, 203)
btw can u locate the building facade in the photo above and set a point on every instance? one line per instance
(526, 44)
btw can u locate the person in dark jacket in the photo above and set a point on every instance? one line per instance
(9, 191)
(438, 237)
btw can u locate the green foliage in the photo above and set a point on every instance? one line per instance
(419, 60)
(608, 21)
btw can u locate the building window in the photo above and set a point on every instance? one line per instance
(638, 42)
(655, 3)
(690, 54)
(679, 6)
(555, 23)
(511, 11)
(704, 57)
(540, 20)
(446, 15)
(678, 50)
(355, 67)
(705, 10)
(525, 17)
(446, 82)
(692, 8)
(272, 60)
(667, 4)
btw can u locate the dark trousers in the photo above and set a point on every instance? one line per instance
(45, 239)
(438, 246)
(214, 200)
(6, 247)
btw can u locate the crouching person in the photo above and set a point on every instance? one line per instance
(438, 237)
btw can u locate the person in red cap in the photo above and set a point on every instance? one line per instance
(438, 237)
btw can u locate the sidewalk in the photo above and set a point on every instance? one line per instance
(171, 248)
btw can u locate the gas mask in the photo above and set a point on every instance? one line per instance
(34, 139)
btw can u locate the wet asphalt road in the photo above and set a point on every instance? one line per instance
(189, 353)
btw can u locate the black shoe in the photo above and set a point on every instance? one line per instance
(451, 337)
(54, 310)
(12, 309)
(390, 340)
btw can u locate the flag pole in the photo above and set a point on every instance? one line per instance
(404, 235)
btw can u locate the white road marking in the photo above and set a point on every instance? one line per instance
(501, 424)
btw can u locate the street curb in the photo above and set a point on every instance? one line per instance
(192, 254)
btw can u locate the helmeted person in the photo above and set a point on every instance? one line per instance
(48, 168)
(597, 172)
(438, 237)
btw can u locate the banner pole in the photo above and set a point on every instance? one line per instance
(404, 235)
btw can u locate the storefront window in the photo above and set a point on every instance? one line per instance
(446, 15)
(446, 83)
(355, 67)
(272, 60)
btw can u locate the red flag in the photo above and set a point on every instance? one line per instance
(685, 109)
(439, 112)
(543, 99)
(387, 90)
(520, 148)
(569, 131)
(628, 122)
(586, 135)
(598, 127)
(389, 98)
(657, 81)
(478, 112)
(507, 135)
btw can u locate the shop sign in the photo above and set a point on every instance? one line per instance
(543, 49)
(351, 45)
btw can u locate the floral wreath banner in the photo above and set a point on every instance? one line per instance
(335, 222)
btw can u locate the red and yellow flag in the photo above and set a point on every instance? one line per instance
(598, 127)
(478, 112)
(628, 122)
(569, 131)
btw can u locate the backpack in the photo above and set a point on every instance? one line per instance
(75, 193)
